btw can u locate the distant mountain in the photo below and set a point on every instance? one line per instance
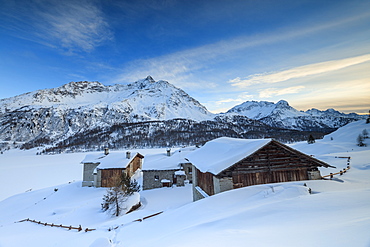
(146, 113)
(143, 100)
(282, 115)
(76, 107)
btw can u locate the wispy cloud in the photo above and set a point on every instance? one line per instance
(180, 66)
(346, 95)
(269, 92)
(298, 72)
(226, 103)
(67, 25)
(238, 99)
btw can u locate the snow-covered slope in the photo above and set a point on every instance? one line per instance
(55, 114)
(282, 115)
(342, 140)
(337, 213)
(142, 100)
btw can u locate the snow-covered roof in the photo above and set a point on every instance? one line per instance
(157, 161)
(180, 173)
(161, 161)
(221, 153)
(93, 158)
(115, 160)
(112, 160)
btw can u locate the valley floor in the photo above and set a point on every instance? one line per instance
(337, 213)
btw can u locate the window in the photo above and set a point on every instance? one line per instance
(189, 170)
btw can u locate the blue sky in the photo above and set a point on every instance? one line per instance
(314, 53)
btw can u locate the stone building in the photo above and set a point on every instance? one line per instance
(166, 169)
(99, 169)
(158, 170)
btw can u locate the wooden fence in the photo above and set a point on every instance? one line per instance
(79, 228)
(341, 172)
(147, 217)
(56, 225)
(138, 220)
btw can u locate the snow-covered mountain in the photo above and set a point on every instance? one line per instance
(146, 113)
(81, 106)
(282, 115)
(143, 100)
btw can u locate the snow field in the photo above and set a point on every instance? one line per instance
(337, 213)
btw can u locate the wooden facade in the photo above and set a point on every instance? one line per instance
(205, 181)
(108, 176)
(272, 163)
(135, 164)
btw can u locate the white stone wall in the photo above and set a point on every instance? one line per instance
(314, 175)
(222, 184)
(151, 182)
(226, 184)
(88, 176)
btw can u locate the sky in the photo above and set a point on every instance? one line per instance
(312, 53)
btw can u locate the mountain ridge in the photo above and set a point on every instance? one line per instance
(282, 115)
(140, 112)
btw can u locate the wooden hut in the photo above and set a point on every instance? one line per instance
(100, 170)
(229, 163)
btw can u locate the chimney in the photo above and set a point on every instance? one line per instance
(106, 151)
(128, 155)
(168, 151)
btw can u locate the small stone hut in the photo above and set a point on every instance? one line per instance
(166, 169)
(158, 170)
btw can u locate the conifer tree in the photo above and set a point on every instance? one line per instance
(123, 188)
(365, 134)
(360, 141)
(311, 140)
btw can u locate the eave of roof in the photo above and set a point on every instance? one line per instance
(198, 160)
(222, 153)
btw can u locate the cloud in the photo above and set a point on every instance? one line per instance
(179, 66)
(224, 105)
(68, 25)
(298, 72)
(237, 100)
(269, 92)
(348, 95)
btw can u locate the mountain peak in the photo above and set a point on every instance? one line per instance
(282, 115)
(282, 103)
(149, 79)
